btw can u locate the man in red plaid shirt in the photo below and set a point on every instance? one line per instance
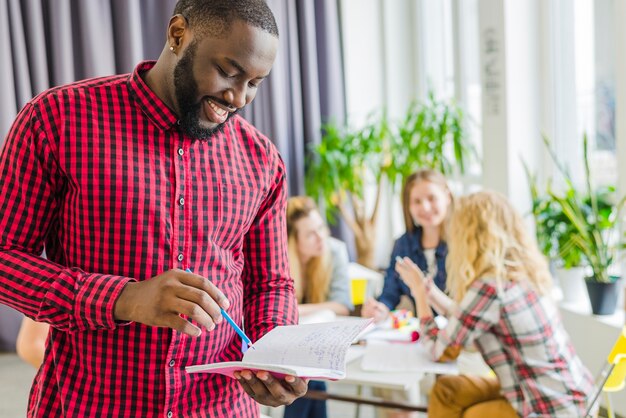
(127, 181)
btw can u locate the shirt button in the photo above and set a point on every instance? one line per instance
(180, 257)
(180, 151)
(181, 201)
(172, 362)
(169, 414)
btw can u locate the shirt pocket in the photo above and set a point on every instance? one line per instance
(238, 206)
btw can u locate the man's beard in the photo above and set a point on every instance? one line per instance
(186, 90)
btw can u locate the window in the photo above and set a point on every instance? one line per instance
(593, 48)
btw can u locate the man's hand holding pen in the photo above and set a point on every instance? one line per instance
(160, 300)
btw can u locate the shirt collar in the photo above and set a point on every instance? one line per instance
(151, 105)
(416, 243)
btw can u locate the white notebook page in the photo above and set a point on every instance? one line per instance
(312, 345)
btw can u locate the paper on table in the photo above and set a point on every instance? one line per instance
(384, 357)
(384, 331)
(310, 350)
(324, 315)
(391, 335)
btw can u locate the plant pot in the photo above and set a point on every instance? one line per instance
(572, 284)
(603, 296)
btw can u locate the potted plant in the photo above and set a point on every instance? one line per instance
(341, 165)
(552, 229)
(593, 218)
(348, 159)
(431, 135)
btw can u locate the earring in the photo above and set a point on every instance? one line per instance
(172, 48)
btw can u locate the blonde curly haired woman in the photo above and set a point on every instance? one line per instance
(500, 286)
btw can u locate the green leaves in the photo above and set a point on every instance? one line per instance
(430, 135)
(578, 225)
(345, 160)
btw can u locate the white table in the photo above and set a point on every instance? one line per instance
(403, 381)
(408, 382)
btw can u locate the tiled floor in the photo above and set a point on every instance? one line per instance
(15, 380)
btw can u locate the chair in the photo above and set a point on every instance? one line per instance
(613, 374)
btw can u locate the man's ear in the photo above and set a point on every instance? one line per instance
(176, 30)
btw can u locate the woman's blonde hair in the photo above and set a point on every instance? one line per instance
(430, 176)
(312, 280)
(488, 238)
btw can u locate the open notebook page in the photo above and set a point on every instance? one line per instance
(322, 345)
(311, 350)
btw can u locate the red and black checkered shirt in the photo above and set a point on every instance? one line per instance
(100, 172)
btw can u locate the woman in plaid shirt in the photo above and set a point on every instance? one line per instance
(500, 284)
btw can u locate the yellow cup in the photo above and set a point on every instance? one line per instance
(359, 286)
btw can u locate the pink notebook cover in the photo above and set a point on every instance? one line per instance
(230, 372)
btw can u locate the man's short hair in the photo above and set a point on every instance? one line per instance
(214, 17)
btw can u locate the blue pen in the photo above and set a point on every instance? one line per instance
(238, 330)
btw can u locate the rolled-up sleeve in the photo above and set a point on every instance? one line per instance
(31, 188)
(478, 312)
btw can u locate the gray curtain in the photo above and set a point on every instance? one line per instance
(306, 85)
(305, 88)
(45, 43)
